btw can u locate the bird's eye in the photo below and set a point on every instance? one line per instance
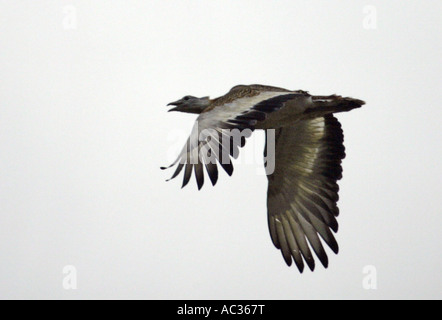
(186, 98)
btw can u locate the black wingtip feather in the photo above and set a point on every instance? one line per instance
(310, 264)
(288, 260)
(300, 266)
(187, 174)
(212, 171)
(324, 259)
(199, 174)
(228, 167)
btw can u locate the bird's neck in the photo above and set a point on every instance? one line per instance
(202, 104)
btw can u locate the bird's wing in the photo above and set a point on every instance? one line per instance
(302, 191)
(219, 132)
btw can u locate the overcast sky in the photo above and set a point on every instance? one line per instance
(84, 130)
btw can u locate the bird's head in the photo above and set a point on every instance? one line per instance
(190, 104)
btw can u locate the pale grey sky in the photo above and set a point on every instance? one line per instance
(84, 129)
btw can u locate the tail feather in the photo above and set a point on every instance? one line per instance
(330, 104)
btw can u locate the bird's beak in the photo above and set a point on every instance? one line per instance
(176, 104)
(174, 109)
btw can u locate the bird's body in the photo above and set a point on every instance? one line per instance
(308, 146)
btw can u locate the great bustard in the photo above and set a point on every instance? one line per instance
(302, 182)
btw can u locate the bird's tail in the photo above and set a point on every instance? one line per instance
(330, 104)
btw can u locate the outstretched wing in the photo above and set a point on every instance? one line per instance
(206, 147)
(302, 190)
(222, 129)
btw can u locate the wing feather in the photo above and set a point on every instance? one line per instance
(303, 189)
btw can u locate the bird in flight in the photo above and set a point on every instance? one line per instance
(303, 163)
